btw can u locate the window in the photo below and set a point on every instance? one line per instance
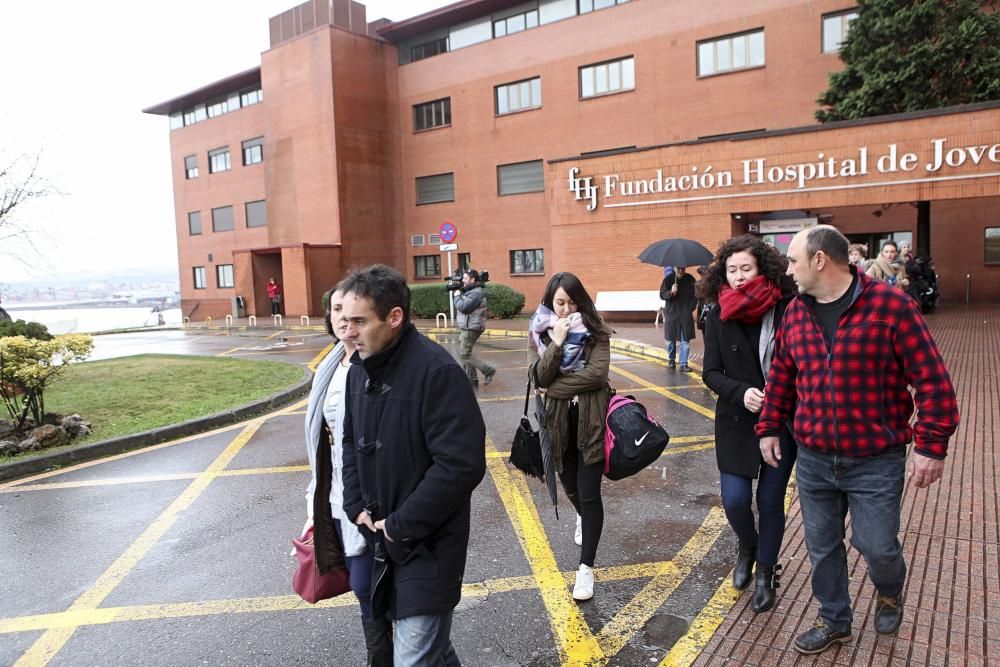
(728, 54)
(434, 189)
(433, 239)
(513, 179)
(516, 23)
(591, 5)
(417, 240)
(432, 114)
(191, 167)
(427, 266)
(251, 96)
(253, 151)
(195, 115)
(610, 77)
(835, 27)
(464, 261)
(467, 34)
(199, 277)
(555, 10)
(256, 212)
(519, 96)
(222, 219)
(218, 107)
(194, 223)
(428, 49)
(991, 245)
(218, 160)
(176, 120)
(224, 275)
(527, 261)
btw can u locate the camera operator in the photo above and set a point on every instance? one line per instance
(470, 301)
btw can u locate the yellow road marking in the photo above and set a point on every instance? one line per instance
(229, 351)
(575, 642)
(274, 335)
(86, 483)
(314, 364)
(624, 390)
(622, 627)
(49, 644)
(686, 649)
(700, 409)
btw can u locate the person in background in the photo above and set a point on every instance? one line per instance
(470, 302)
(570, 349)
(748, 281)
(887, 267)
(677, 290)
(848, 350)
(274, 294)
(326, 410)
(857, 253)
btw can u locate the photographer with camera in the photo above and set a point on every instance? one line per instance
(470, 301)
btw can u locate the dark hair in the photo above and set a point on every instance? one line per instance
(828, 239)
(327, 324)
(888, 243)
(472, 274)
(384, 285)
(770, 263)
(584, 304)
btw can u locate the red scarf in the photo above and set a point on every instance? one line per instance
(750, 302)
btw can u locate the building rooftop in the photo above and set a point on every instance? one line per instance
(245, 79)
(449, 15)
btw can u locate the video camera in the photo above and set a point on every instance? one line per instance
(454, 281)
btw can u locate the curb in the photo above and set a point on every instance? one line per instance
(112, 446)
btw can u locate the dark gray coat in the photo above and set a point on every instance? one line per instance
(414, 451)
(471, 307)
(678, 313)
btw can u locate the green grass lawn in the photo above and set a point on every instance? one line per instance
(146, 391)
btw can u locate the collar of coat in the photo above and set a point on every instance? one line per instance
(377, 364)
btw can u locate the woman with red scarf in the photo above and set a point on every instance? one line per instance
(748, 282)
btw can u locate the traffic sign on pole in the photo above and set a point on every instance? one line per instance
(448, 232)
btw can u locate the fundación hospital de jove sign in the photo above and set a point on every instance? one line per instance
(935, 161)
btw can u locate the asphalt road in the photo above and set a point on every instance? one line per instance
(179, 554)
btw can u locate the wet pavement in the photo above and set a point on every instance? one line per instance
(180, 553)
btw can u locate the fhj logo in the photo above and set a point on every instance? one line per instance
(583, 188)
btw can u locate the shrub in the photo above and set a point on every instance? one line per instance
(33, 330)
(28, 366)
(428, 300)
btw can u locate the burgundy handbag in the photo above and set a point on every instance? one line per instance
(308, 582)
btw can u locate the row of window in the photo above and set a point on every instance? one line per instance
(217, 107)
(223, 276)
(512, 179)
(222, 217)
(218, 158)
(521, 262)
(524, 17)
(715, 56)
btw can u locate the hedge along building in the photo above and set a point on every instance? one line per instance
(860, 176)
(353, 142)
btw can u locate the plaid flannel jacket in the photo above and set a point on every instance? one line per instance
(852, 398)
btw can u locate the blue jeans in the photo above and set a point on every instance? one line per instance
(871, 488)
(685, 347)
(424, 641)
(737, 499)
(360, 570)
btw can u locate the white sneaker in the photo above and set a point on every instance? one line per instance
(578, 535)
(583, 589)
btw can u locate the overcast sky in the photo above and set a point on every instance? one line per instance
(75, 78)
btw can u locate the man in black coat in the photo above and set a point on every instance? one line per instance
(414, 451)
(677, 291)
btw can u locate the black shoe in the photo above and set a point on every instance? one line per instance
(820, 638)
(743, 569)
(888, 614)
(488, 377)
(671, 364)
(685, 368)
(378, 641)
(768, 580)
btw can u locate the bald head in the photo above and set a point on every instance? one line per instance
(817, 260)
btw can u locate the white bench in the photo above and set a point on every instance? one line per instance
(642, 301)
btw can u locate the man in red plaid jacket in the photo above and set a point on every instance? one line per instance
(847, 351)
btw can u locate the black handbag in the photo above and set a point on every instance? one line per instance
(526, 450)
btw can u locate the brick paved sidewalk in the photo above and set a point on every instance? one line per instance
(950, 540)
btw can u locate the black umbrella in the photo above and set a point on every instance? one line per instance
(546, 446)
(676, 252)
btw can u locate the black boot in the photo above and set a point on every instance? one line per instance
(768, 579)
(378, 641)
(743, 570)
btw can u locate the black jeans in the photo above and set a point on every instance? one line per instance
(582, 484)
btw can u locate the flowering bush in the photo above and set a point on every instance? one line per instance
(28, 366)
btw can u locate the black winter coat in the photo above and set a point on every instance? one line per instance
(414, 451)
(678, 310)
(732, 366)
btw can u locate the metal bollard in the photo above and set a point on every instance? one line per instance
(437, 320)
(187, 321)
(229, 320)
(276, 319)
(304, 320)
(252, 321)
(968, 288)
(208, 321)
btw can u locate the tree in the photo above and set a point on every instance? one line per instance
(29, 365)
(911, 55)
(20, 182)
